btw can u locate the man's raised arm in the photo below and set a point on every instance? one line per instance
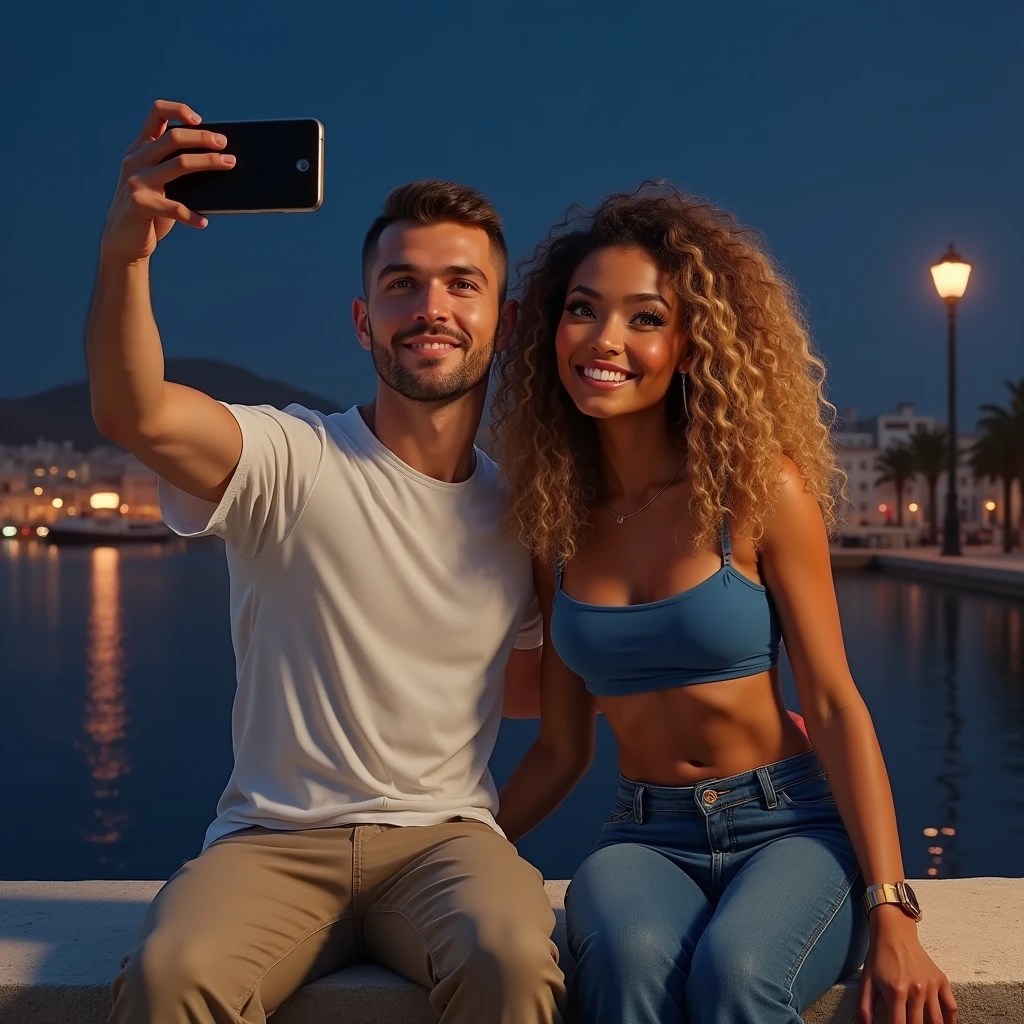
(184, 436)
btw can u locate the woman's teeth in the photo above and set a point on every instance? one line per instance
(589, 371)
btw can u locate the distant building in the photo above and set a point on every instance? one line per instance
(861, 441)
(44, 482)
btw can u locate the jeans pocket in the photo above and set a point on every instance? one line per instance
(811, 792)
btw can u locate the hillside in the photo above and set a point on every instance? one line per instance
(63, 413)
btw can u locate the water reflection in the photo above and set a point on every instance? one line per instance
(944, 859)
(106, 717)
(52, 587)
(942, 672)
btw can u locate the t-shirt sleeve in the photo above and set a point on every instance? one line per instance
(531, 627)
(282, 452)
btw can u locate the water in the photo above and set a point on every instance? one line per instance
(116, 673)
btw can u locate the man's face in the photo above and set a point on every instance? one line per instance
(432, 317)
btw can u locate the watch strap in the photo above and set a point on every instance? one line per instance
(888, 892)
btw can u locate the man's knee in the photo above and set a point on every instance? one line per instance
(517, 955)
(505, 967)
(167, 971)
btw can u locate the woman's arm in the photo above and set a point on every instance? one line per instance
(798, 574)
(565, 747)
(522, 684)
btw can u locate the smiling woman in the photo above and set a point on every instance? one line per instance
(658, 268)
(663, 430)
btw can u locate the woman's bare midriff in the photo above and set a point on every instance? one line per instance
(688, 734)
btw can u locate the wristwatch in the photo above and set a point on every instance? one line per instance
(900, 893)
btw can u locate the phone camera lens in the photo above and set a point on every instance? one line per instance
(303, 165)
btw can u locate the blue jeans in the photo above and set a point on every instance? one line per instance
(736, 901)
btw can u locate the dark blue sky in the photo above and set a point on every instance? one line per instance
(860, 138)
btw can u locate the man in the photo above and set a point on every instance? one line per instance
(375, 608)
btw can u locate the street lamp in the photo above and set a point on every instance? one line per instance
(950, 275)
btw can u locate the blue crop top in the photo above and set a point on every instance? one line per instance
(723, 628)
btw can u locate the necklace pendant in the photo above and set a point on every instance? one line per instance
(619, 519)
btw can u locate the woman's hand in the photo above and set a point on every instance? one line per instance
(899, 972)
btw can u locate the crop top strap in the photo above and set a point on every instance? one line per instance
(559, 572)
(726, 542)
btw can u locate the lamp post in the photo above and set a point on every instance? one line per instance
(950, 275)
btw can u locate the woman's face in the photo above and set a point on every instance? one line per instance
(618, 341)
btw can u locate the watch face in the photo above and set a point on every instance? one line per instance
(910, 898)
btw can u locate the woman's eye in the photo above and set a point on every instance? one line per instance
(579, 309)
(649, 319)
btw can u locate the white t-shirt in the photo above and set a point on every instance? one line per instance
(373, 610)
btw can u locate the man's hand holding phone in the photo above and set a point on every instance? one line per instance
(171, 175)
(141, 214)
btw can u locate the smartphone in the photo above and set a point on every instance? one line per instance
(279, 169)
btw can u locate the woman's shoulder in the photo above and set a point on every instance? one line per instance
(795, 511)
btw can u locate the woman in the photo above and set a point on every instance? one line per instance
(661, 421)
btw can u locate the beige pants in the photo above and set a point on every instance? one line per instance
(260, 913)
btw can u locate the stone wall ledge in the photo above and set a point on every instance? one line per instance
(997, 574)
(61, 943)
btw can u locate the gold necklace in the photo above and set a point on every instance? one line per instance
(629, 515)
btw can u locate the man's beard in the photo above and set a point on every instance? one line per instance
(432, 387)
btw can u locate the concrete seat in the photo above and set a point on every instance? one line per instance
(62, 942)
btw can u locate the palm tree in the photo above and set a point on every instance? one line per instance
(1016, 389)
(1008, 426)
(996, 454)
(931, 457)
(896, 466)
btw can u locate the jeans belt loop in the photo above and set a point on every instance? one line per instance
(638, 805)
(771, 798)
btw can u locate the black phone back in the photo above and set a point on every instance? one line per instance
(279, 169)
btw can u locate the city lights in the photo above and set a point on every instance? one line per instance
(913, 506)
(10, 531)
(37, 491)
(57, 503)
(104, 500)
(990, 505)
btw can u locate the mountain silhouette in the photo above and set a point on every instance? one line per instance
(65, 414)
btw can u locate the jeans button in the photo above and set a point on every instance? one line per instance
(710, 797)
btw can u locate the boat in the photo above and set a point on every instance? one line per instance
(106, 530)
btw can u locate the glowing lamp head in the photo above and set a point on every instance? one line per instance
(950, 275)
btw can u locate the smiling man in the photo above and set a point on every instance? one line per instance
(378, 617)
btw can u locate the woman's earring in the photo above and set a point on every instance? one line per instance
(686, 411)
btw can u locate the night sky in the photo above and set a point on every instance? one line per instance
(860, 138)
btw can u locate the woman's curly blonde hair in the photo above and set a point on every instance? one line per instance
(755, 392)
